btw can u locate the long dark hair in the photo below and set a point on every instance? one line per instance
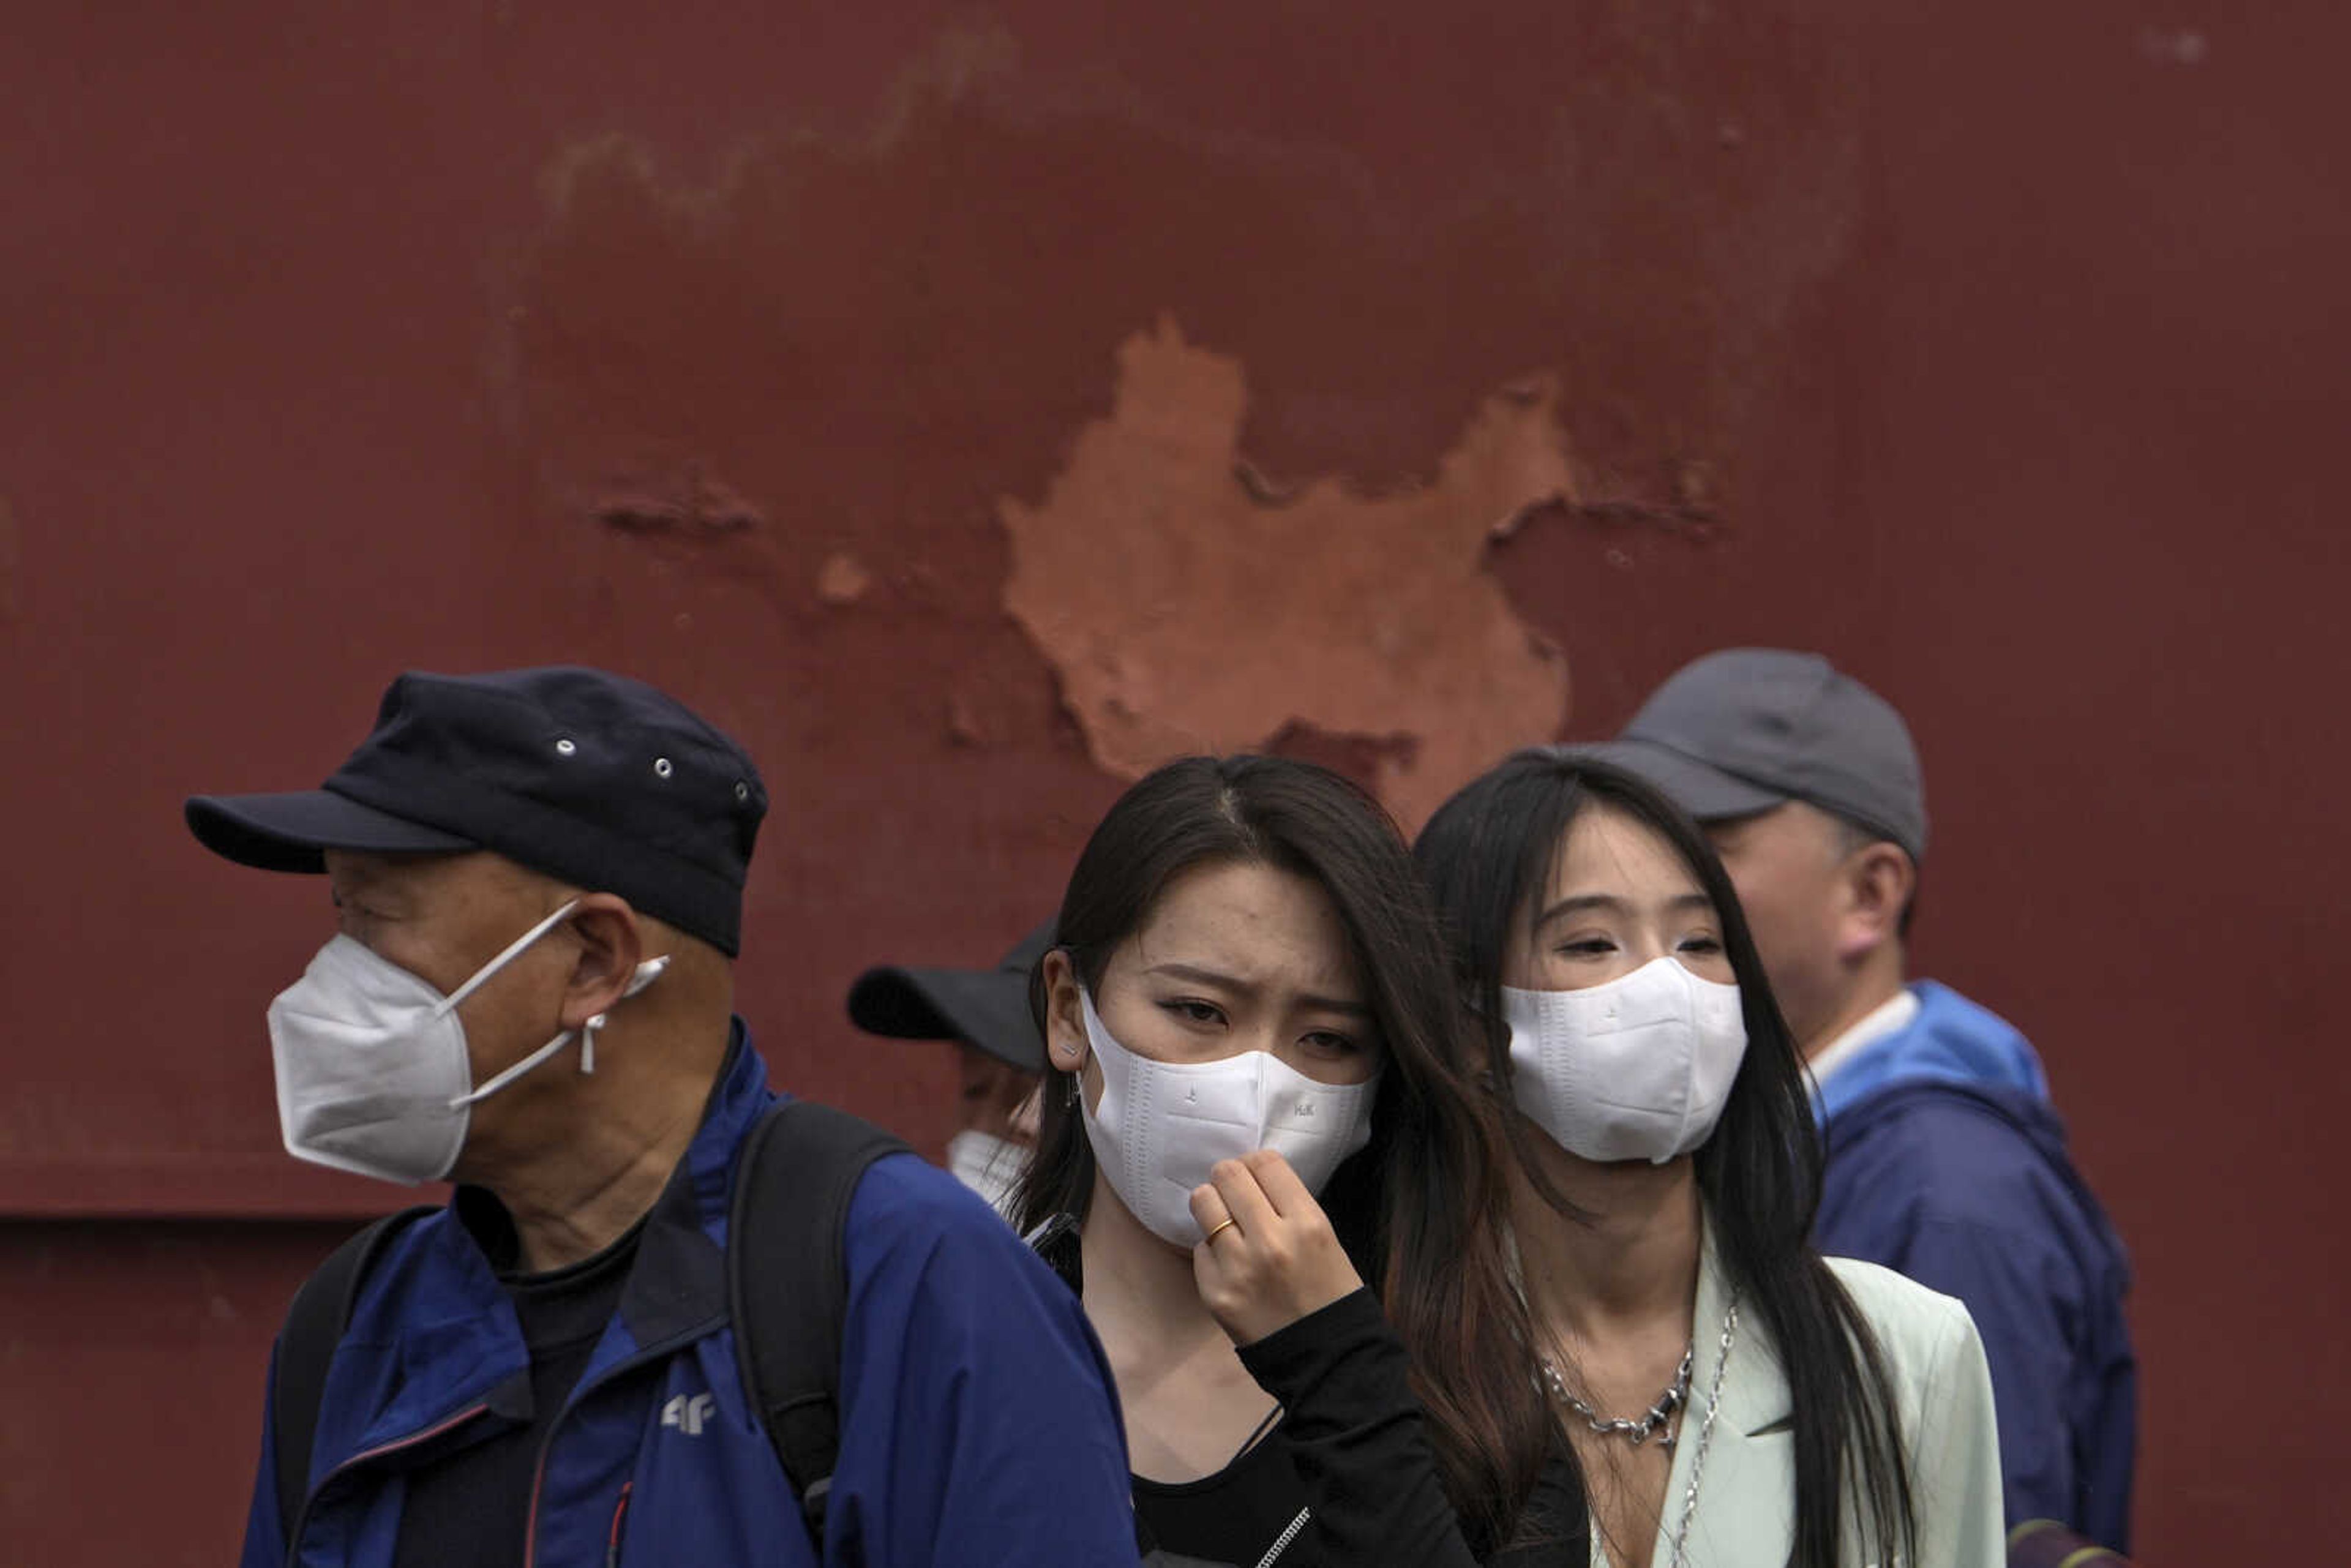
(1488, 855)
(1427, 1186)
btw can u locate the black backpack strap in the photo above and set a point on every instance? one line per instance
(306, 1347)
(787, 1286)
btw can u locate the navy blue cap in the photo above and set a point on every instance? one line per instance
(986, 1007)
(587, 777)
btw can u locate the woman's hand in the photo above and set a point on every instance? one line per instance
(1278, 1259)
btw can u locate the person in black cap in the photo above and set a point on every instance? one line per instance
(1945, 1160)
(1002, 1055)
(538, 883)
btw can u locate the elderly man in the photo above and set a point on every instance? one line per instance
(1000, 1051)
(538, 880)
(1945, 1158)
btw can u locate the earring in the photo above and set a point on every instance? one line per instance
(1070, 1097)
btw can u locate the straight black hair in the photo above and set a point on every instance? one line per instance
(1488, 855)
(1428, 1185)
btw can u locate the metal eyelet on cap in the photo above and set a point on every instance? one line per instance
(662, 767)
(742, 790)
(565, 747)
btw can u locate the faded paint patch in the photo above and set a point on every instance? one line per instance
(1190, 604)
(876, 332)
(842, 579)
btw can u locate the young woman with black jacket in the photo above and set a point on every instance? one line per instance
(1254, 1111)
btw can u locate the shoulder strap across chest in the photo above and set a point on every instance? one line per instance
(788, 1285)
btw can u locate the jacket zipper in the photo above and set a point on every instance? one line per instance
(612, 1548)
(1281, 1543)
(547, 1446)
(302, 1519)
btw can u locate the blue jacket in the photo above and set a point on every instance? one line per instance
(977, 1425)
(1947, 1162)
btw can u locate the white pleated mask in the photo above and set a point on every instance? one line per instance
(1162, 1126)
(373, 1076)
(1638, 1069)
(989, 1165)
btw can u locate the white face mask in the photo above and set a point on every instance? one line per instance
(1638, 1069)
(986, 1164)
(1161, 1126)
(373, 1076)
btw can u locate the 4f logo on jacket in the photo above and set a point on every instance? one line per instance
(687, 1413)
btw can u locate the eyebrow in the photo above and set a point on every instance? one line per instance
(1610, 904)
(1200, 977)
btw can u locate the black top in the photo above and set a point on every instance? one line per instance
(1251, 1512)
(1350, 1451)
(471, 1507)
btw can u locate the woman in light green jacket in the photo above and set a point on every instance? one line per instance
(1727, 1397)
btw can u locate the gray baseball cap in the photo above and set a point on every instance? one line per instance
(986, 1007)
(1746, 730)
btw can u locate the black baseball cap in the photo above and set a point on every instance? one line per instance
(987, 1007)
(589, 777)
(1746, 730)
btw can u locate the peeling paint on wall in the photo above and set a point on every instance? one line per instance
(1189, 604)
(687, 503)
(877, 320)
(843, 579)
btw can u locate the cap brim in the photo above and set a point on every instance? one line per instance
(1706, 793)
(292, 832)
(988, 1007)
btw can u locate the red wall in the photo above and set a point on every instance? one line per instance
(1998, 350)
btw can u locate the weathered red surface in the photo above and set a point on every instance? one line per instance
(1998, 350)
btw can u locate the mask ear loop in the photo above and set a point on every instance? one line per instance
(647, 973)
(514, 949)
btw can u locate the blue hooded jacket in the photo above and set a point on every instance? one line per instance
(1947, 1162)
(977, 1425)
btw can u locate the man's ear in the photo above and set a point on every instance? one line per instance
(1878, 882)
(611, 945)
(1065, 1015)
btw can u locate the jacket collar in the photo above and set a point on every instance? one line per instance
(1747, 1478)
(678, 1285)
(1754, 1386)
(1949, 1040)
(441, 1331)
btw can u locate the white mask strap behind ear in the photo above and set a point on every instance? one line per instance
(513, 950)
(647, 973)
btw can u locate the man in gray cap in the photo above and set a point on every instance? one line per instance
(985, 1013)
(1945, 1158)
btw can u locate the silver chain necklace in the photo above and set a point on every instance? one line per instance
(1705, 1434)
(1638, 1432)
(1680, 1552)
